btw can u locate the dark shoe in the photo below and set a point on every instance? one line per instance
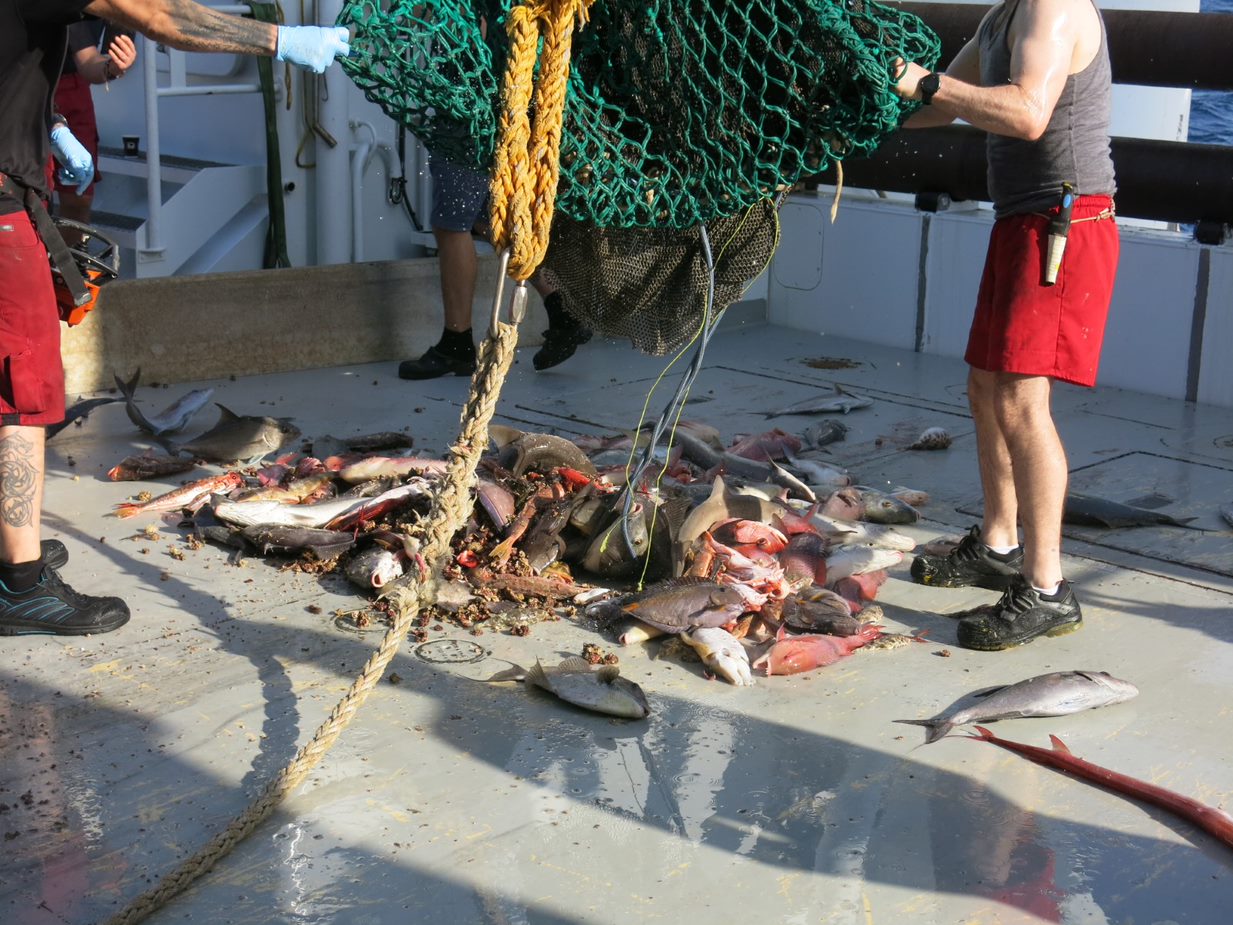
(971, 563)
(435, 363)
(1020, 616)
(51, 606)
(560, 342)
(55, 555)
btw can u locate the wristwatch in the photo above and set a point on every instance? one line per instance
(928, 86)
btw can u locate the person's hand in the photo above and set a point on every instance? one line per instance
(312, 47)
(908, 77)
(123, 53)
(77, 166)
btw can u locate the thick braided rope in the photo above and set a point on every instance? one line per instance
(451, 507)
(526, 164)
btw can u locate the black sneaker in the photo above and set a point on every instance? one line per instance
(971, 563)
(560, 342)
(55, 554)
(51, 606)
(1020, 616)
(435, 363)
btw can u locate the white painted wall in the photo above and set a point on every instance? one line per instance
(861, 282)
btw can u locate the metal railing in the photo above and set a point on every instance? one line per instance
(178, 85)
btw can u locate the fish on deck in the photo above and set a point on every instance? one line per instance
(1090, 511)
(601, 690)
(1058, 693)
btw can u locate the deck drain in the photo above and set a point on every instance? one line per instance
(451, 651)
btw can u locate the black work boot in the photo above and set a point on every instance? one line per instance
(969, 564)
(51, 606)
(453, 354)
(1020, 616)
(565, 334)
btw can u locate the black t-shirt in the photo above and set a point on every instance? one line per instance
(32, 42)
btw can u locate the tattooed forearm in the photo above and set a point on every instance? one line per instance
(18, 481)
(190, 26)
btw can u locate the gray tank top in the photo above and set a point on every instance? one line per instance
(1027, 176)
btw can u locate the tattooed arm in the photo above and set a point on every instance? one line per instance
(189, 26)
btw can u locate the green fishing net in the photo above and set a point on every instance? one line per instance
(679, 114)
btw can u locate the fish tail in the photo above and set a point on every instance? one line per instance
(983, 733)
(535, 675)
(935, 728)
(127, 509)
(128, 389)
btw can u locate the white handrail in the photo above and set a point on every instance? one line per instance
(178, 86)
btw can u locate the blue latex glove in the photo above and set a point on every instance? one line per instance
(76, 164)
(312, 47)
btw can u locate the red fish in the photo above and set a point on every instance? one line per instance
(774, 444)
(1211, 820)
(184, 496)
(738, 532)
(795, 654)
(860, 589)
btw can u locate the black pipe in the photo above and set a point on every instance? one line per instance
(1165, 181)
(1146, 47)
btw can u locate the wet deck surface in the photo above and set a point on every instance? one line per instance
(793, 801)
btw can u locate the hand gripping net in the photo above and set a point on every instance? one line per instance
(679, 114)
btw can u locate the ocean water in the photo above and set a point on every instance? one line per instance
(1211, 112)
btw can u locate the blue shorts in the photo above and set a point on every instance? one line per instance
(459, 196)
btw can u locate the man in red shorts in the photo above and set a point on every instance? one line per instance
(1036, 77)
(33, 597)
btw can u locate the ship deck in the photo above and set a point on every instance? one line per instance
(797, 800)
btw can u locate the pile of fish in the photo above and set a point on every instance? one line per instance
(759, 553)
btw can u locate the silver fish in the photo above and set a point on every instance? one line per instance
(722, 653)
(1057, 694)
(601, 690)
(883, 508)
(172, 418)
(321, 514)
(840, 403)
(236, 437)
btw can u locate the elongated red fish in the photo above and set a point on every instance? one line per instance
(1211, 820)
(184, 496)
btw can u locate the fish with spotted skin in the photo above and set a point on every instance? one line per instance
(601, 690)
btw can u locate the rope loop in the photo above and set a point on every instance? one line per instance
(527, 160)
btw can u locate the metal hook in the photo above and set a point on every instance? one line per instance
(518, 302)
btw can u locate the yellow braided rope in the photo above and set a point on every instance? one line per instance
(523, 199)
(526, 163)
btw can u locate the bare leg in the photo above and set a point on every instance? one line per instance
(459, 268)
(999, 527)
(21, 492)
(1040, 471)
